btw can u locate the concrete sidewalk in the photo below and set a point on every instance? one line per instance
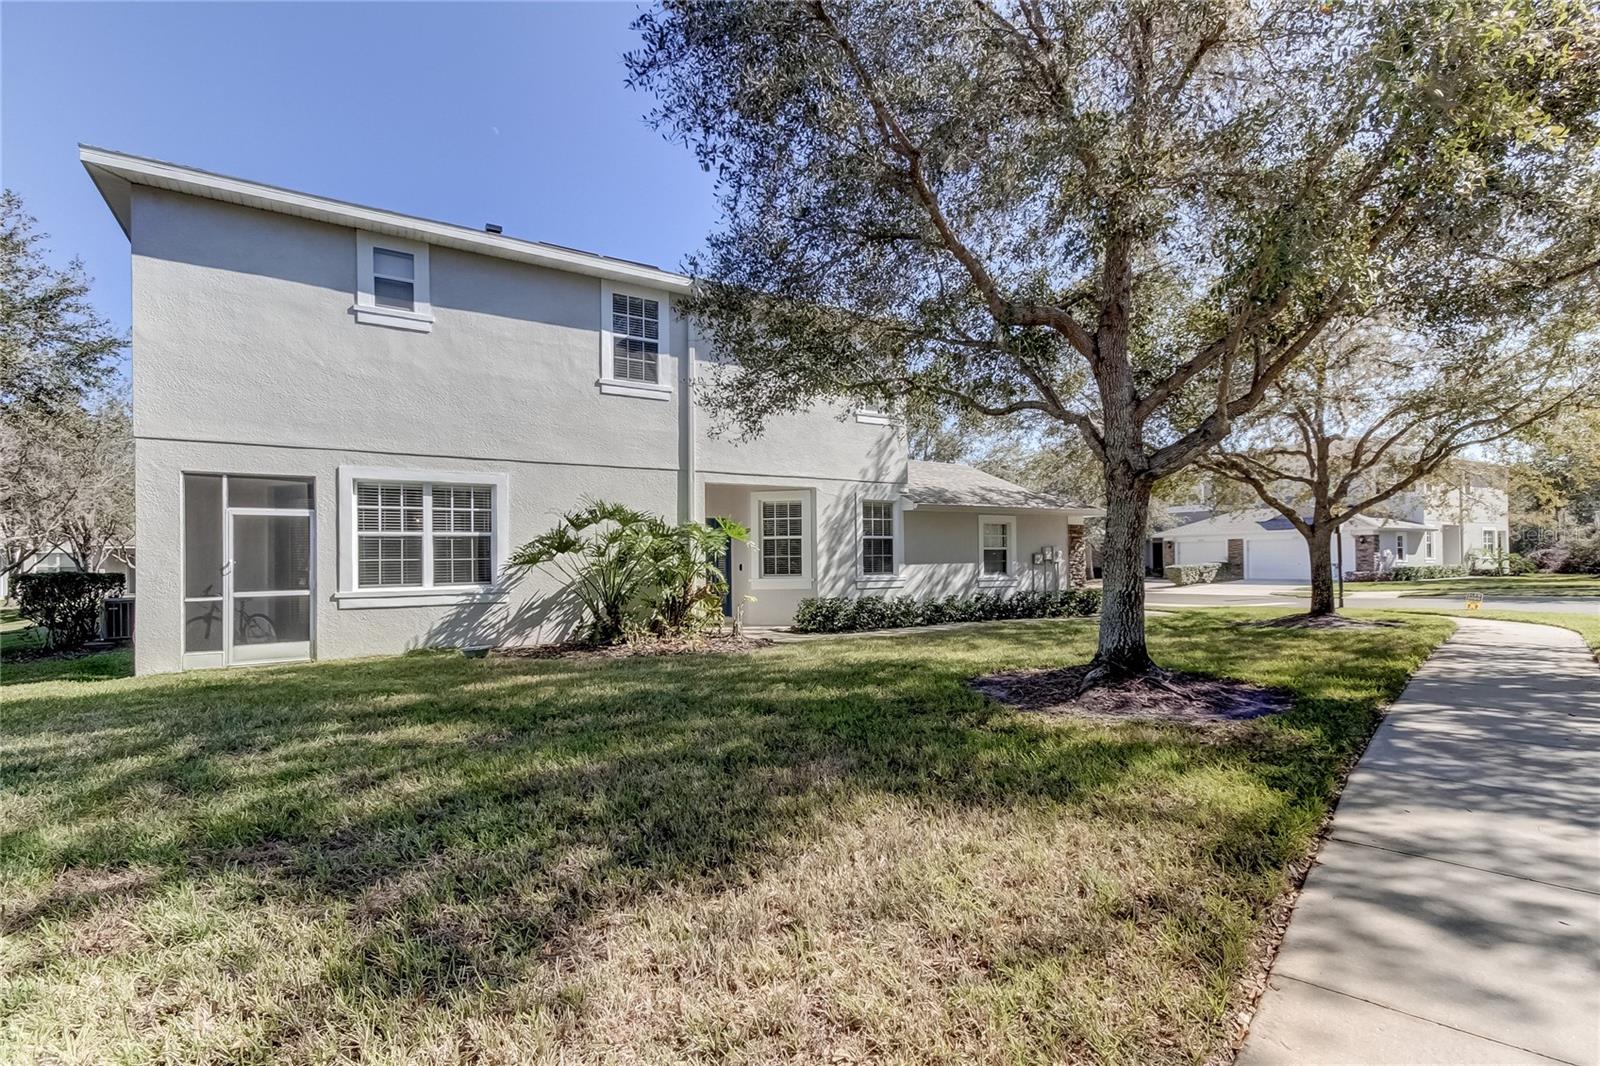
(1453, 915)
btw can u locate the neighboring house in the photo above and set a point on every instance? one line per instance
(1443, 525)
(345, 418)
(1158, 553)
(120, 561)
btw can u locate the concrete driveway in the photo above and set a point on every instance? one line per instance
(1453, 914)
(1282, 594)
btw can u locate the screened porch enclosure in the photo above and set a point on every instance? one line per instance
(248, 554)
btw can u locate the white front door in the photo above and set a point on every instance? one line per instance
(267, 584)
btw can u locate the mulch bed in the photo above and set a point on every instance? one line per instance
(1173, 697)
(715, 643)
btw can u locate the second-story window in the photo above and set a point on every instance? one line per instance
(394, 279)
(635, 338)
(392, 283)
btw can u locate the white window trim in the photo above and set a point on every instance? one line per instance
(1427, 545)
(873, 416)
(366, 309)
(350, 596)
(880, 581)
(661, 388)
(808, 525)
(1009, 578)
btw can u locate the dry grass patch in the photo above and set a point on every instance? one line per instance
(830, 851)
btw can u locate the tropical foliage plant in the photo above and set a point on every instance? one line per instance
(632, 571)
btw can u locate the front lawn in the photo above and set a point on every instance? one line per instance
(829, 851)
(20, 660)
(1502, 585)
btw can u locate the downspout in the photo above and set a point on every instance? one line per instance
(691, 504)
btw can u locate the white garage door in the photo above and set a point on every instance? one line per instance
(1277, 559)
(1202, 550)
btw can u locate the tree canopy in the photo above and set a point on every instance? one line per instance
(1129, 218)
(1375, 410)
(66, 442)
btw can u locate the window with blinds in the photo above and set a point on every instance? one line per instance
(635, 338)
(419, 535)
(782, 538)
(877, 538)
(996, 548)
(462, 520)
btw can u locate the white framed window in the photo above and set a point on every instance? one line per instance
(419, 537)
(880, 538)
(783, 554)
(392, 283)
(635, 351)
(874, 416)
(997, 549)
(1427, 544)
(1488, 540)
(1400, 546)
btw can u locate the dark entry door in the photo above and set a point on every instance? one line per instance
(726, 562)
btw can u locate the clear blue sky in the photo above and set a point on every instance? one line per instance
(513, 113)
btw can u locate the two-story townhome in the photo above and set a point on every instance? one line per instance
(1450, 521)
(346, 418)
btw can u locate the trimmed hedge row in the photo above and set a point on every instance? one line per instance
(1194, 573)
(1425, 573)
(66, 603)
(844, 614)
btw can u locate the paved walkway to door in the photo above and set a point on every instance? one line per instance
(1453, 915)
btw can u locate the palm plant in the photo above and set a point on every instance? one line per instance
(689, 580)
(632, 570)
(605, 552)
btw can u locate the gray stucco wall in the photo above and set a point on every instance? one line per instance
(941, 554)
(530, 611)
(247, 359)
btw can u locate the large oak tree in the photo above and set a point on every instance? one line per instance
(1375, 411)
(1130, 218)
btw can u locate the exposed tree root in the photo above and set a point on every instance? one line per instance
(1155, 693)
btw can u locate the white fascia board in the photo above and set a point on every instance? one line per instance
(110, 170)
(1212, 532)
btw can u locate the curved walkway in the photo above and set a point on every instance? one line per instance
(1453, 914)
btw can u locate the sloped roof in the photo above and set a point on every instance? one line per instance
(1267, 520)
(115, 172)
(959, 485)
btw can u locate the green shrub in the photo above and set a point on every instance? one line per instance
(1580, 553)
(1423, 573)
(633, 572)
(844, 614)
(66, 604)
(1520, 565)
(1194, 573)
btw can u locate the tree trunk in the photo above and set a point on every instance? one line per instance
(1320, 543)
(1122, 652)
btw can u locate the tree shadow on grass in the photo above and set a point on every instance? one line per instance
(468, 817)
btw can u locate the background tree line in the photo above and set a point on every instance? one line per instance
(66, 437)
